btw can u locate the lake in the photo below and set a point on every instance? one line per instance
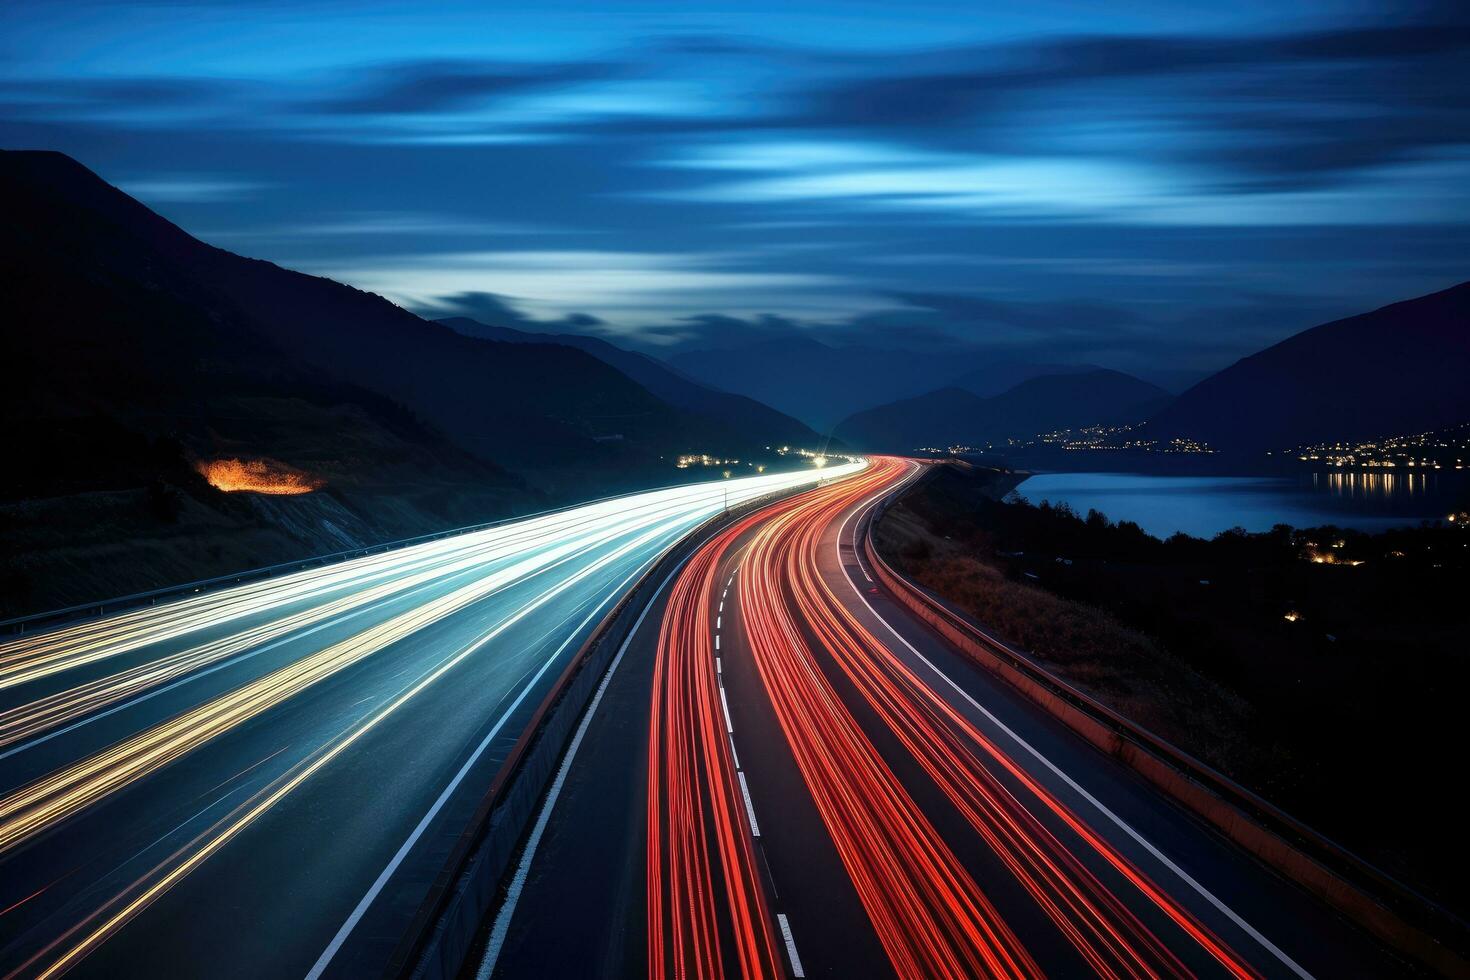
(1206, 505)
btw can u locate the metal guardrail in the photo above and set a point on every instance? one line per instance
(1370, 896)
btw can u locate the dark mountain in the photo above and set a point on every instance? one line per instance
(134, 353)
(822, 384)
(812, 381)
(123, 373)
(944, 417)
(1399, 369)
(544, 410)
(953, 416)
(720, 411)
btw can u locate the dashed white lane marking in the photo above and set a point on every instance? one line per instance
(718, 669)
(717, 622)
(733, 753)
(717, 641)
(722, 605)
(796, 969)
(1117, 821)
(755, 828)
(729, 728)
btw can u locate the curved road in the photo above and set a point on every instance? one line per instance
(787, 775)
(264, 780)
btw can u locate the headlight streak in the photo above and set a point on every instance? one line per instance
(169, 872)
(640, 526)
(33, 658)
(29, 658)
(48, 800)
(29, 720)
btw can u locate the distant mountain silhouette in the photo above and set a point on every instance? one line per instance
(733, 416)
(995, 377)
(954, 416)
(1404, 368)
(823, 384)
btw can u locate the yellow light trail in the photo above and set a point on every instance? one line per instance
(29, 658)
(35, 717)
(202, 847)
(46, 801)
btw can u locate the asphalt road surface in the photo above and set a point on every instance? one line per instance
(263, 781)
(785, 774)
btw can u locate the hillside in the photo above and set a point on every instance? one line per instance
(137, 354)
(1399, 369)
(123, 375)
(725, 417)
(545, 411)
(954, 416)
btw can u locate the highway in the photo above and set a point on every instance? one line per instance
(264, 780)
(785, 774)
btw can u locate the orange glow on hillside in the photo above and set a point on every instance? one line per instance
(256, 476)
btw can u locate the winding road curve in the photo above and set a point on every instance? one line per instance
(785, 774)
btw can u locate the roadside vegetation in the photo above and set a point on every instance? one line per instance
(1321, 667)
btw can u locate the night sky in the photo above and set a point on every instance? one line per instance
(1131, 184)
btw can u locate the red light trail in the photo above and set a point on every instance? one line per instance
(708, 914)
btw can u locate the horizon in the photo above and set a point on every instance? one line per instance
(1152, 191)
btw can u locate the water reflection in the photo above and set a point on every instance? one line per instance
(1375, 487)
(1206, 505)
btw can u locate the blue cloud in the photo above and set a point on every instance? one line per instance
(1119, 184)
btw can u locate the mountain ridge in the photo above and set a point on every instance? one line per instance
(724, 410)
(955, 416)
(823, 384)
(1399, 368)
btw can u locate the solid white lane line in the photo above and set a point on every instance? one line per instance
(755, 828)
(796, 969)
(398, 858)
(729, 728)
(1184, 876)
(507, 909)
(367, 900)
